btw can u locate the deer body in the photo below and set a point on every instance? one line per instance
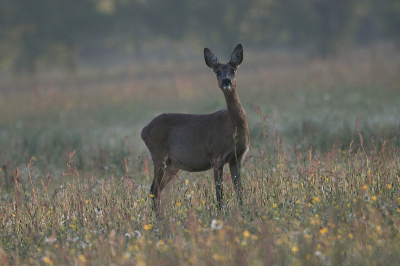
(196, 143)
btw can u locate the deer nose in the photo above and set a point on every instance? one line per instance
(226, 83)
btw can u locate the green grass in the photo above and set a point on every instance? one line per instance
(321, 179)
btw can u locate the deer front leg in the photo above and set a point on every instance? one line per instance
(218, 184)
(234, 167)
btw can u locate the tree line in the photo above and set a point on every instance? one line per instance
(46, 32)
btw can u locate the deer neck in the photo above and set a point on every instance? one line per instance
(236, 113)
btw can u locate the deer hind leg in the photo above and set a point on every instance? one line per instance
(234, 167)
(164, 172)
(155, 189)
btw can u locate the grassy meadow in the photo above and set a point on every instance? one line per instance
(321, 179)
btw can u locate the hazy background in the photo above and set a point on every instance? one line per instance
(36, 35)
(86, 76)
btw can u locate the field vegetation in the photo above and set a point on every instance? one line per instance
(321, 179)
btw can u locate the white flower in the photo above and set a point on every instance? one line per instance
(50, 239)
(137, 234)
(217, 224)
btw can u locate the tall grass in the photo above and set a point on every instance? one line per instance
(321, 179)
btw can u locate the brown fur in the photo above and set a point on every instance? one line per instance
(200, 142)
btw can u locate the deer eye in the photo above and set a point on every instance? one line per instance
(232, 71)
(218, 73)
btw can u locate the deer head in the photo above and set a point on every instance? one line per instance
(225, 72)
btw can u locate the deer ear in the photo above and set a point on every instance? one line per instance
(237, 56)
(211, 59)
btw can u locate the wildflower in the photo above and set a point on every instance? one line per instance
(178, 204)
(317, 253)
(295, 249)
(350, 235)
(161, 246)
(323, 231)
(137, 234)
(373, 198)
(365, 187)
(379, 229)
(316, 199)
(216, 224)
(274, 206)
(82, 258)
(50, 239)
(152, 196)
(147, 227)
(389, 186)
(47, 260)
(246, 234)
(187, 182)
(98, 211)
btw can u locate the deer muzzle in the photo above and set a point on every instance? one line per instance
(226, 84)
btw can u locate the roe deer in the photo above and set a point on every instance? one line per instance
(195, 143)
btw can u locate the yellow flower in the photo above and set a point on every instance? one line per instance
(373, 198)
(316, 199)
(152, 196)
(275, 205)
(365, 187)
(379, 229)
(187, 182)
(350, 235)
(389, 186)
(246, 234)
(295, 249)
(47, 260)
(82, 258)
(323, 231)
(147, 227)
